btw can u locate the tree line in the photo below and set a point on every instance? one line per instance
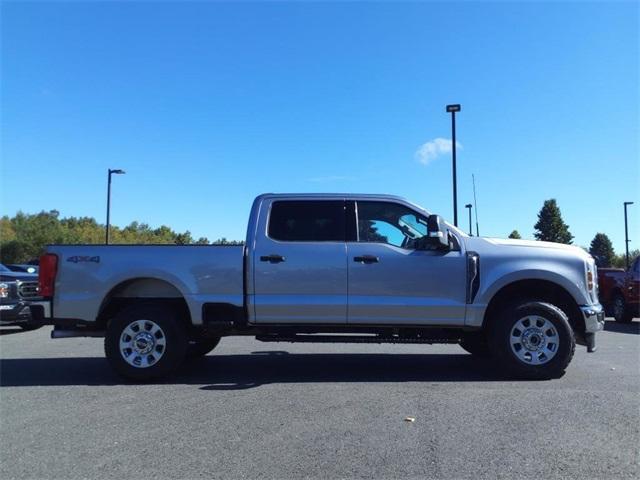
(550, 227)
(24, 236)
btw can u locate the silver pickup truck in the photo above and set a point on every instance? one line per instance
(328, 268)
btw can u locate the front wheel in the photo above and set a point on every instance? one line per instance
(533, 340)
(145, 341)
(620, 311)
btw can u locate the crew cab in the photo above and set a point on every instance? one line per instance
(620, 291)
(328, 268)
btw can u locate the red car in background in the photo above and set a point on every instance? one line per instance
(620, 291)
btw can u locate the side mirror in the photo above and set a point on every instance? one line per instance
(437, 237)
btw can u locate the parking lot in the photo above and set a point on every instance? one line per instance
(258, 410)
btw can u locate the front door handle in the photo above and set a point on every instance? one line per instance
(366, 259)
(272, 258)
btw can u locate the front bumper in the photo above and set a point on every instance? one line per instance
(21, 312)
(593, 318)
(593, 322)
(14, 312)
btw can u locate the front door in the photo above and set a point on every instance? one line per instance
(300, 265)
(390, 282)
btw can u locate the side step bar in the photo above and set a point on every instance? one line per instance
(453, 338)
(60, 333)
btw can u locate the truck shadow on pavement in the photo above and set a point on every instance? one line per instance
(613, 326)
(238, 372)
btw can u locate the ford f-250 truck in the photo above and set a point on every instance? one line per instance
(328, 268)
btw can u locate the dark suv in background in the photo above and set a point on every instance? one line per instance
(18, 290)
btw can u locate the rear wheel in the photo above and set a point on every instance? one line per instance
(620, 311)
(145, 341)
(199, 348)
(533, 340)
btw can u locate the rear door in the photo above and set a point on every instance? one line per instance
(390, 282)
(300, 263)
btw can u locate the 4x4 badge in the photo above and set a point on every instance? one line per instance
(84, 258)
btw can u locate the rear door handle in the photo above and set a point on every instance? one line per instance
(366, 259)
(272, 258)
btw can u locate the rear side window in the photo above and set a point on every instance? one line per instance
(307, 221)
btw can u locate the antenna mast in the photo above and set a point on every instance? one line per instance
(475, 203)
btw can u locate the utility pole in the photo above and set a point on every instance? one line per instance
(626, 232)
(453, 109)
(111, 172)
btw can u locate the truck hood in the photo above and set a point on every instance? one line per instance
(569, 249)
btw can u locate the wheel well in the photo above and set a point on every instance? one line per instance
(536, 290)
(143, 290)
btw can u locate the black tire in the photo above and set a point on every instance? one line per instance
(620, 310)
(476, 344)
(199, 348)
(555, 346)
(172, 335)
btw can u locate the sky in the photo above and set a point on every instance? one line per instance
(208, 104)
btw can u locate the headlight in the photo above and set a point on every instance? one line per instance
(592, 279)
(4, 290)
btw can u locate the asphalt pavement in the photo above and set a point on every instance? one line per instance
(262, 410)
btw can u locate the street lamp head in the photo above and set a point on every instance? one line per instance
(117, 171)
(468, 205)
(453, 108)
(628, 203)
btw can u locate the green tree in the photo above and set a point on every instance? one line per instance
(14, 251)
(602, 250)
(550, 226)
(620, 261)
(7, 232)
(515, 234)
(24, 236)
(184, 238)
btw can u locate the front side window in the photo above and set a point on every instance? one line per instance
(307, 221)
(391, 223)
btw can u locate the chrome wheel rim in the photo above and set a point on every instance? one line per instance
(142, 343)
(534, 340)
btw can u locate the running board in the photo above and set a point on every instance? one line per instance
(59, 333)
(359, 338)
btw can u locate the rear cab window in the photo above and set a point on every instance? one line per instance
(307, 221)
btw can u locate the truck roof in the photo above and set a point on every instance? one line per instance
(350, 196)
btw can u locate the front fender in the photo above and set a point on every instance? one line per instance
(493, 284)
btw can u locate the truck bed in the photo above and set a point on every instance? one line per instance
(201, 273)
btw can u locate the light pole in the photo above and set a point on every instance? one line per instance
(626, 232)
(468, 207)
(111, 172)
(453, 109)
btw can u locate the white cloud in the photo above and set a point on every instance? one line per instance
(431, 150)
